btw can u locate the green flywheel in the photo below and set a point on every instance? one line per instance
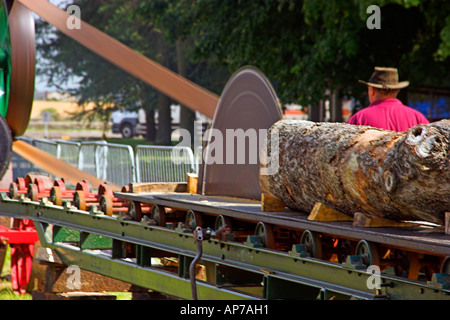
(17, 69)
(17, 65)
(5, 62)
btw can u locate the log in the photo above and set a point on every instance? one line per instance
(399, 176)
(147, 187)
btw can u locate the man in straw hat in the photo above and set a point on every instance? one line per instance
(385, 110)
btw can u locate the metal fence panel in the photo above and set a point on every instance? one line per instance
(48, 146)
(68, 151)
(91, 157)
(163, 164)
(21, 166)
(118, 164)
(108, 161)
(119, 167)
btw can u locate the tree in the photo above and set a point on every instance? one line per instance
(306, 47)
(172, 19)
(62, 59)
(144, 27)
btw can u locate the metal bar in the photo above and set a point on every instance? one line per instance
(158, 280)
(18, 236)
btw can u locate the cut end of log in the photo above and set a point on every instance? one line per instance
(321, 212)
(271, 204)
(428, 142)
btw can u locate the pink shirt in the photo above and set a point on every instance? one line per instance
(389, 114)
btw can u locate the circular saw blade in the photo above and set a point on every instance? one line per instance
(231, 166)
(22, 56)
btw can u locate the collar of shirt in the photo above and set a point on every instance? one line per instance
(385, 101)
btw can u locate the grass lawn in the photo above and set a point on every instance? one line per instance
(6, 292)
(133, 142)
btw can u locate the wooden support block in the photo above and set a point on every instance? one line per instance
(146, 187)
(321, 212)
(192, 179)
(271, 204)
(362, 220)
(447, 223)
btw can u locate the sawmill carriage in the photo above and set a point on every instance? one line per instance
(324, 205)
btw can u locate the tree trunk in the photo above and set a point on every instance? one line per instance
(163, 136)
(187, 116)
(336, 106)
(150, 134)
(400, 176)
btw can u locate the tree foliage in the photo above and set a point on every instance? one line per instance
(61, 60)
(304, 47)
(66, 63)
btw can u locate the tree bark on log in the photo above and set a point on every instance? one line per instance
(399, 176)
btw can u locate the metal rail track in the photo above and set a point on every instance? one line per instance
(412, 238)
(235, 270)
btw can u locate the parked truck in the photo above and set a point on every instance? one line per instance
(133, 123)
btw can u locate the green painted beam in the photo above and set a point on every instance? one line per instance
(146, 277)
(281, 266)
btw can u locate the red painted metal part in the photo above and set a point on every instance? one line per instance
(22, 236)
(21, 239)
(12, 236)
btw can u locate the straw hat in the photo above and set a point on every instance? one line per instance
(385, 78)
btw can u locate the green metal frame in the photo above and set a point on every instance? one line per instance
(5, 73)
(74, 235)
(5, 63)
